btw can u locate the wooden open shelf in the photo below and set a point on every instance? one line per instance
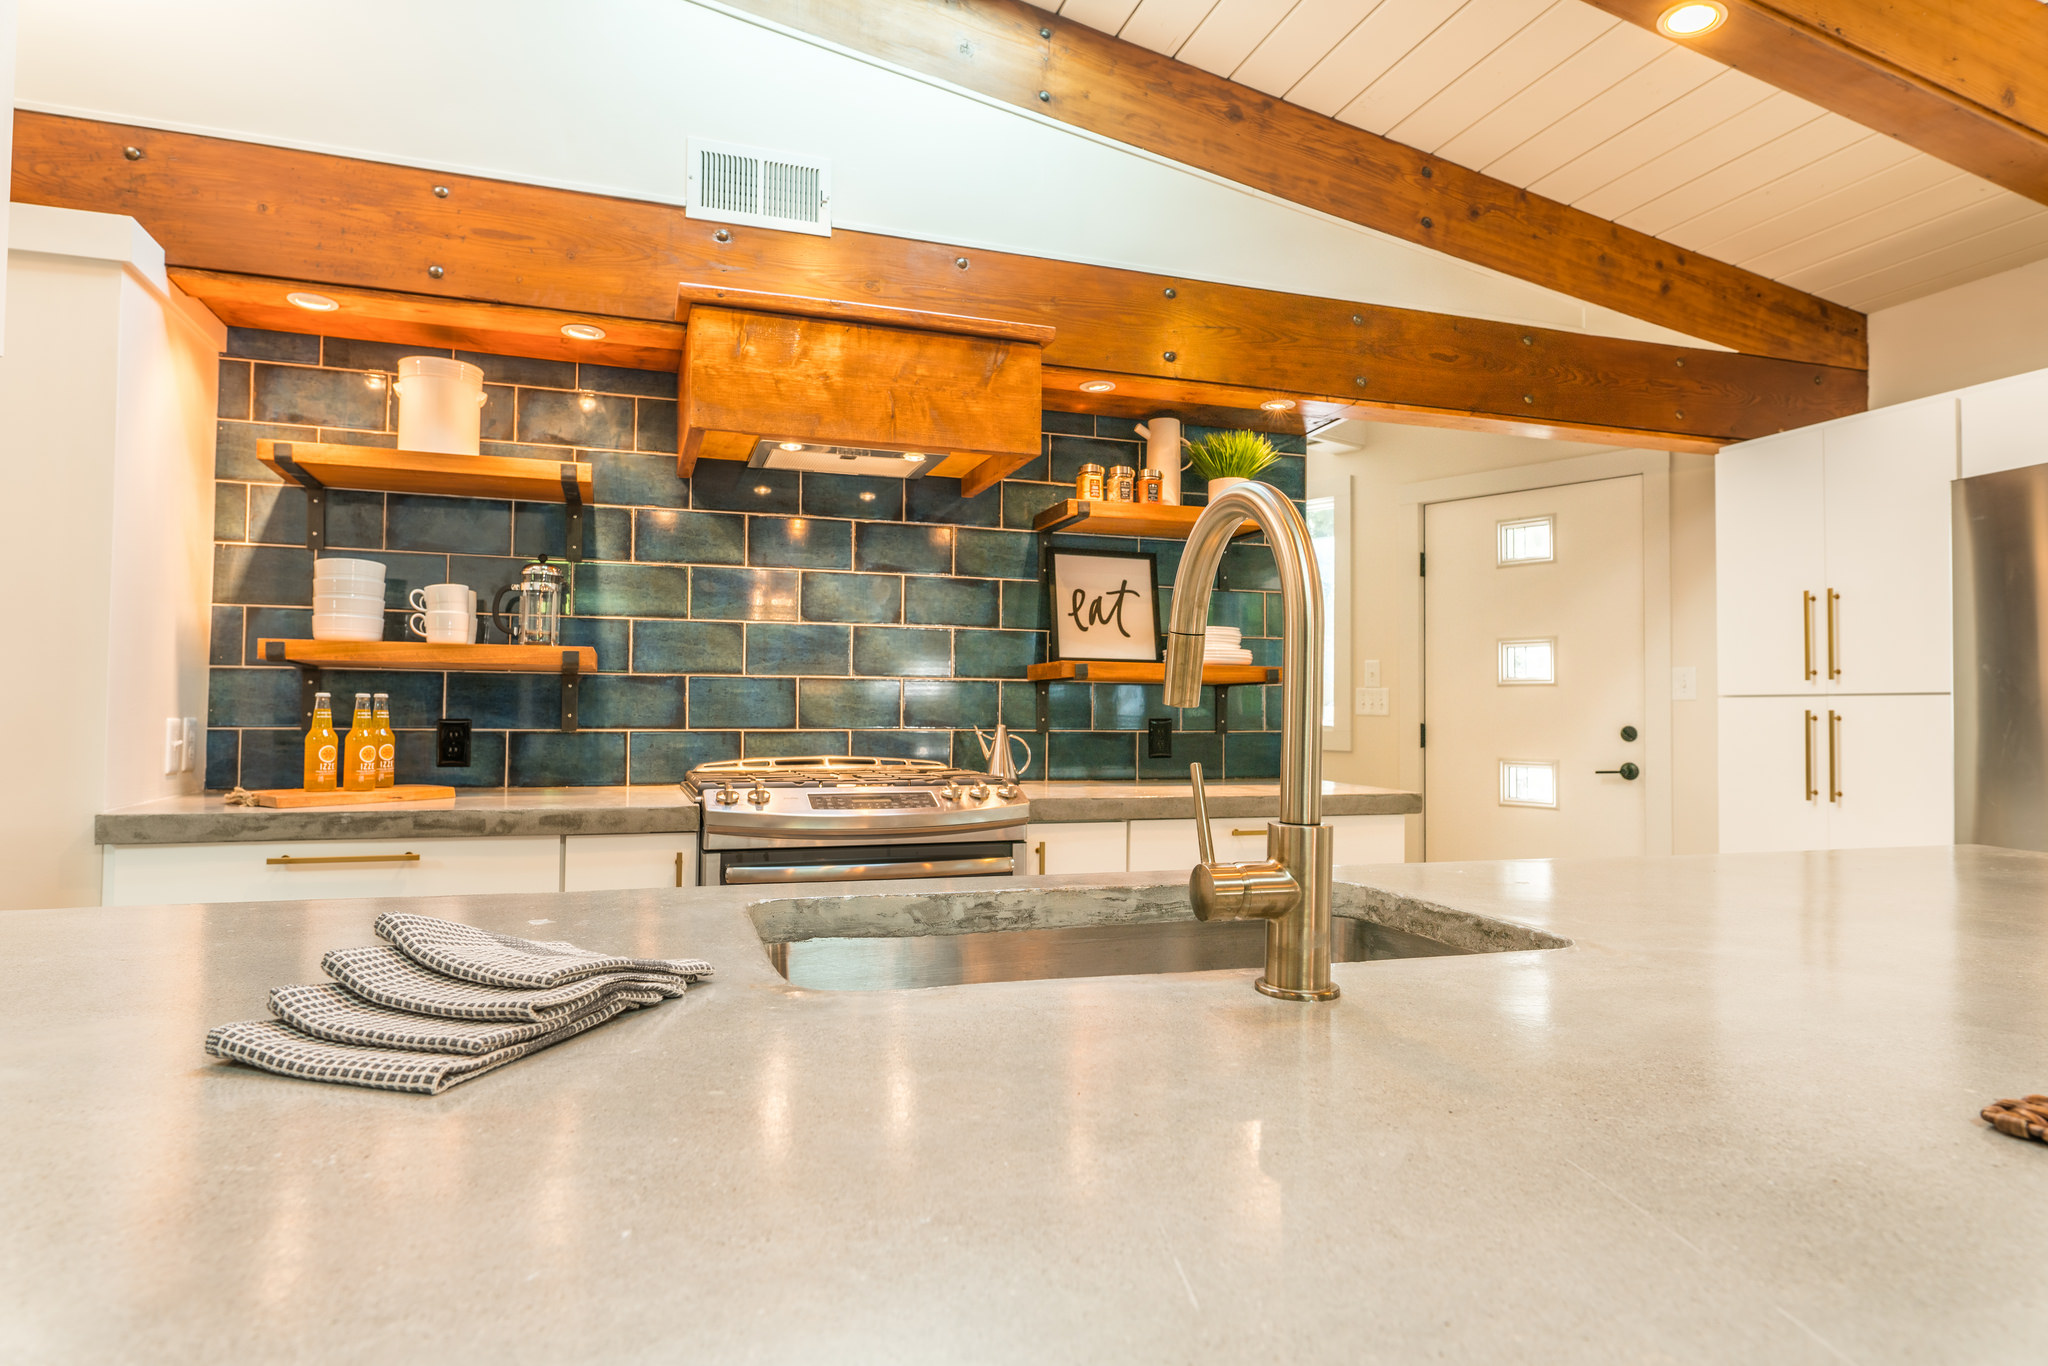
(383, 470)
(418, 654)
(568, 662)
(1135, 671)
(1162, 521)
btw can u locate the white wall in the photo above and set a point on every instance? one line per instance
(107, 398)
(1381, 458)
(1985, 330)
(6, 136)
(601, 96)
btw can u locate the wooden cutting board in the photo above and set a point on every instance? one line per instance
(293, 798)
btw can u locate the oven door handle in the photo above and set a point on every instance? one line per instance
(870, 872)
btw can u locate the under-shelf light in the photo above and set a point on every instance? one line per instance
(1277, 405)
(312, 303)
(1692, 19)
(1097, 386)
(583, 331)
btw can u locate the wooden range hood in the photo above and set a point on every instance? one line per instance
(828, 372)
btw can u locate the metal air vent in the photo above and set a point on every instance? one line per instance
(733, 184)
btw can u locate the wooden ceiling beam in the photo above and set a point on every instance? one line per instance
(247, 210)
(1067, 71)
(1961, 80)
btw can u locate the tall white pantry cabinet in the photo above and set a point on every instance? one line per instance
(1835, 631)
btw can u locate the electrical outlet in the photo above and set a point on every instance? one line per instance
(174, 743)
(1685, 683)
(1159, 738)
(1369, 673)
(190, 760)
(451, 744)
(1372, 702)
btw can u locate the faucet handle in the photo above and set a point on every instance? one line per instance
(1201, 816)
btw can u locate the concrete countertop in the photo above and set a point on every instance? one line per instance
(1735, 1120)
(658, 810)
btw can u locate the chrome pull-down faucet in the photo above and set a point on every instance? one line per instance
(1290, 888)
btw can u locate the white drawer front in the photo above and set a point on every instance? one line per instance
(1166, 846)
(1074, 847)
(610, 863)
(141, 874)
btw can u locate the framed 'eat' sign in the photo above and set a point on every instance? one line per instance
(1104, 605)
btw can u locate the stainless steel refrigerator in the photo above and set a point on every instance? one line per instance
(2001, 586)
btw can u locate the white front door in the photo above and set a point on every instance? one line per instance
(1533, 665)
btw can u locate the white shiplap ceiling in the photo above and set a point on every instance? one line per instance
(1566, 100)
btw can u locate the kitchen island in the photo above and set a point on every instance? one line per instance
(1733, 1120)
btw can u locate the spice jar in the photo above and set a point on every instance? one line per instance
(1088, 484)
(1122, 485)
(1151, 486)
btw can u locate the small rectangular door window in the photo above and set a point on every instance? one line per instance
(1528, 782)
(1528, 661)
(1528, 540)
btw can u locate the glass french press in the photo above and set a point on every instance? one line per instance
(537, 619)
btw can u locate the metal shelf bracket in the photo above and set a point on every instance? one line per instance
(572, 501)
(571, 687)
(316, 505)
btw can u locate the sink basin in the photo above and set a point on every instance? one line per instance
(893, 942)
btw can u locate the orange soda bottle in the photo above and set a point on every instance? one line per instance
(359, 755)
(323, 746)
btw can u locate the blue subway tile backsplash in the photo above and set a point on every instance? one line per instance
(741, 611)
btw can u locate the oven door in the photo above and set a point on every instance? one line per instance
(857, 863)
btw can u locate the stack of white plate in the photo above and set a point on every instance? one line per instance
(1225, 645)
(348, 600)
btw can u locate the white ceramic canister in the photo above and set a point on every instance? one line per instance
(440, 405)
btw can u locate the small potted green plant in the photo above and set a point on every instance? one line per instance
(1226, 459)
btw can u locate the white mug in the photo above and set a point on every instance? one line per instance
(442, 628)
(443, 597)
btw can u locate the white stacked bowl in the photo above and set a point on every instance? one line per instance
(348, 600)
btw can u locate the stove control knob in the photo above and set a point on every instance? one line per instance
(1008, 792)
(979, 792)
(951, 791)
(726, 796)
(759, 796)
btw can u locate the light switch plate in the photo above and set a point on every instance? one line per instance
(1369, 673)
(1372, 702)
(174, 743)
(188, 759)
(1685, 683)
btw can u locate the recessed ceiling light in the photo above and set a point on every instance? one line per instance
(1692, 19)
(583, 331)
(1097, 386)
(792, 445)
(1277, 405)
(912, 455)
(312, 303)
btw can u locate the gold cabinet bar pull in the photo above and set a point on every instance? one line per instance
(1834, 669)
(1040, 851)
(1811, 790)
(679, 867)
(1806, 631)
(1247, 832)
(1834, 753)
(292, 861)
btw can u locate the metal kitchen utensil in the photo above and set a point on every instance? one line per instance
(538, 617)
(996, 750)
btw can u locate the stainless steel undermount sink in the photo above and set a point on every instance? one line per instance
(892, 942)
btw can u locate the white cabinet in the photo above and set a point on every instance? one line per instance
(1074, 847)
(1836, 632)
(1773, 761)
(2003, 424)
(1163, 846)
(1770, 564)
(611, 863)
(1887, 536)
(1842, 772)
(1832, 556)
(296, 870)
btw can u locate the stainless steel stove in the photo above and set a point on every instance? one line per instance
(839, 819)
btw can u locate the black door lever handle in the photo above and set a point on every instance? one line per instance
(1628, 771)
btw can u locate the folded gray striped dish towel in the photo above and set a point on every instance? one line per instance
(390, 1022)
